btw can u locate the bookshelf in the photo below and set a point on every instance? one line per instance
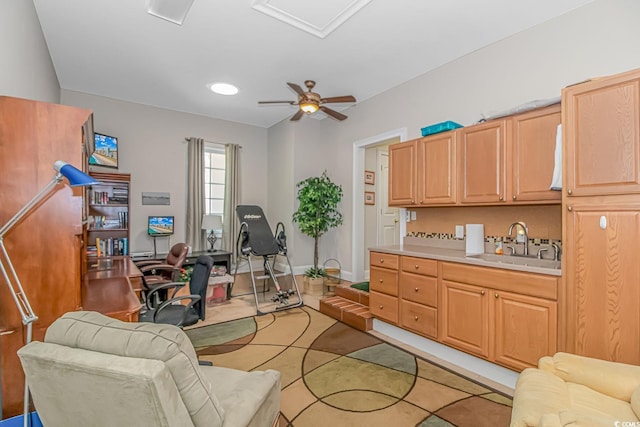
(108, 215)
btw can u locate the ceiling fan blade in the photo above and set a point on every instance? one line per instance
(347, 98)
(333, 113)
(296, 88)
(297, 116)
(277, 102)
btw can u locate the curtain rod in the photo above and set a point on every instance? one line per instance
(186, 140)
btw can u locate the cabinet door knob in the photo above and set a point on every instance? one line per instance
(380, 306)
(569, 208)
(514, 197)
(417, 266)
(416, 289)
(481, 292)
(496, 295)
(501, 198)
(380, 280)
(413, 202)
(381, 260)
(569, 192)
(415, 318)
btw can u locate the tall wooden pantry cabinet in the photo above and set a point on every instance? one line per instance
(601, 217)
(46, 246)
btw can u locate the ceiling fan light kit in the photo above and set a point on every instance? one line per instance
(309, 102)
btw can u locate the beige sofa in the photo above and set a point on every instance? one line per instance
(570, 390)
(96, 371)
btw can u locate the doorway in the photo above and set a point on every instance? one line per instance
(362, 240)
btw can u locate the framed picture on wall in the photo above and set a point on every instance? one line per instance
(369, 177)
(369, 198)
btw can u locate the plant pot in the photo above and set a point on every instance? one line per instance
(313, 286)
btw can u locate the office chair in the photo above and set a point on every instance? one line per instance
(156, 272)
(172, 311)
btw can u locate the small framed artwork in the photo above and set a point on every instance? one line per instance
(369, 177)
(104, 151)
(369, 198)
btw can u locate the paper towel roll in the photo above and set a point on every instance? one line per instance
(475, 239)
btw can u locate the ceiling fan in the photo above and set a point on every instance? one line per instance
(310, 102)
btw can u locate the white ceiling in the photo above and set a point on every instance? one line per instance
(114, 48)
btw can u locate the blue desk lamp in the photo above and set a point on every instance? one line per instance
(76, 179)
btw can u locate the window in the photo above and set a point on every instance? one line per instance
(214, 173)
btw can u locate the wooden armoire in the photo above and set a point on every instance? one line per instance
(46, 246)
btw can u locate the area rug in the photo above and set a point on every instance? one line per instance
(334, 375)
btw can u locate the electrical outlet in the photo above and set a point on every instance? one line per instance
(407, 216)
(413, 215)
(459, 231)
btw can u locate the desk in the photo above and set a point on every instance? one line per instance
(110, 287)
(219, 258)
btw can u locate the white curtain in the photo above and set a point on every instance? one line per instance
(196, 237)
(231, 197)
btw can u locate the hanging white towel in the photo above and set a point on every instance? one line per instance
(556, 180)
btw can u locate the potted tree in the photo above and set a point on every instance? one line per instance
(317, 213)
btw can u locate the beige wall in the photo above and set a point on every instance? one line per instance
(151, 149)
(597, 39)
(26, 70)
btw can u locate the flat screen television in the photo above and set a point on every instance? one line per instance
(105, 151)
(160, 225)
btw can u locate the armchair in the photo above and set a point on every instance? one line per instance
(92, 370)
(173, 311)
(160, 272)
(571, 390)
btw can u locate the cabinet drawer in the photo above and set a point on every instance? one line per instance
(427, 267)
(420, 289)
(532, 284)
(384, 280)
(384, 260)
(419, 318)
(384, 307)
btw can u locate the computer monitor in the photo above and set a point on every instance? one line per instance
(160, 225)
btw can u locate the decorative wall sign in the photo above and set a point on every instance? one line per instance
(369, 177)
(369, 198)
(149, 198)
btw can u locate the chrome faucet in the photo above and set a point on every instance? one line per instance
(556, 251)
(526, 235)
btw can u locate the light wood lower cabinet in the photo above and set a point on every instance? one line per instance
(507, 317)
(505, 327)
(525, 329)
(383, 286)
(465, 317)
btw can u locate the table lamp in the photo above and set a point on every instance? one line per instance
(76, 179)
(213, 223)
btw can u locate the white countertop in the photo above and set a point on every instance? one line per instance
(458, 255)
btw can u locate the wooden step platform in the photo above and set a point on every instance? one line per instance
(350, 306)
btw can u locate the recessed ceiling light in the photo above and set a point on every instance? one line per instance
(223, 88)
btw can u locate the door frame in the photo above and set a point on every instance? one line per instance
(379, 192)
(357, 220)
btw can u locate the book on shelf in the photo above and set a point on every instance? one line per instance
(101, 222)
(111, 246)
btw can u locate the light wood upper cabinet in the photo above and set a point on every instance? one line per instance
(403, 175)
(603, 280)
(437, 169)
(531, 150)
(482, 162)
(601, 125)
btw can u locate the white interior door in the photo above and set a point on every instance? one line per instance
(388, 217)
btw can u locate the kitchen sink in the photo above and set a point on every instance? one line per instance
(527, 261)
